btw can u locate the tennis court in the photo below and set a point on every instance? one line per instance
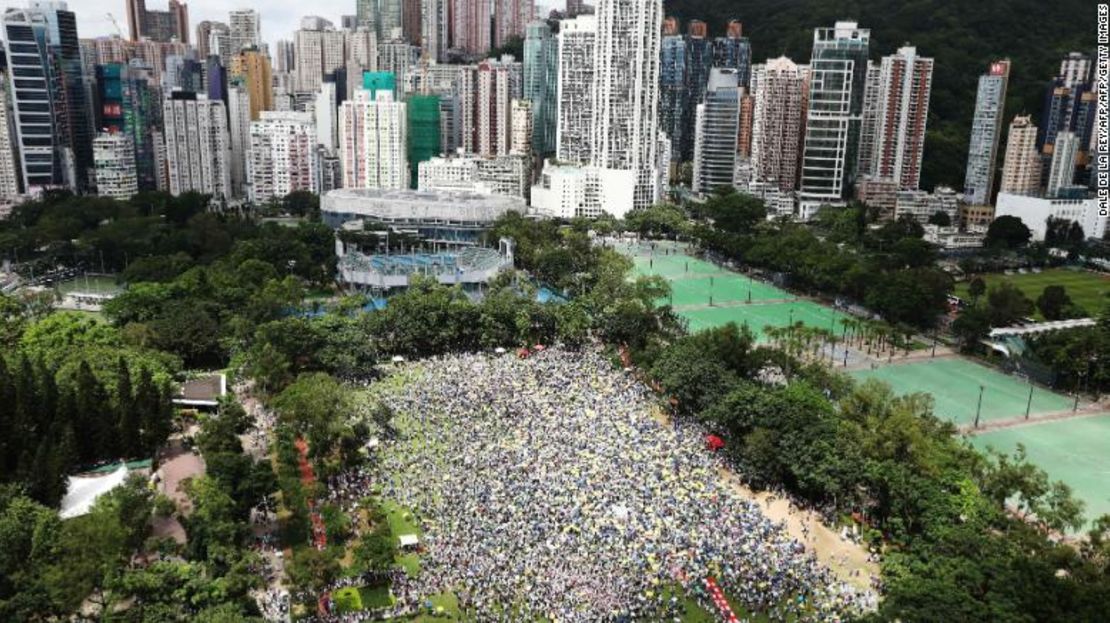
(1076, 451)
(757, 316)
(954, 384)
(675, 266)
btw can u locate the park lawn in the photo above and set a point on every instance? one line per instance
(450, 609)
(352, 599)
(400, 524)
(1089, 290)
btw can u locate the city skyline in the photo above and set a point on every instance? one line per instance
(279, 20)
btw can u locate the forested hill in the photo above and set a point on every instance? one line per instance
(962, 35)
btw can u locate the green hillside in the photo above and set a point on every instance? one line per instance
(963, 36)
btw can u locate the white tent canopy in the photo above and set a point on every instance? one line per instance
(409, 540)
(83, 491)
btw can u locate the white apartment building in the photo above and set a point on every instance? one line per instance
(921, 205)
(245, 30)
(625, 119)
(326, 111)
(318, 49)
(505, 175)
(197, 145)
(283, 156)
(114, 159)
(372, 141)
(575, 93)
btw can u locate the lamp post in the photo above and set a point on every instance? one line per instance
(979, 407)
(1029, 403)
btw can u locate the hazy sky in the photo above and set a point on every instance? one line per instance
(279, 18)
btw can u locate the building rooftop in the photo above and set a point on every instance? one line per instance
(431, 205)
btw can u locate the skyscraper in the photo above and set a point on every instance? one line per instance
(129, 106)
(49, 99)
(209, 32)
(1062, 170)
(986, 128)
(389, 22)
(470, 27)
(283, 156)
(252, 69)
(734, 51)
(319, 49)
(239, 125)
(114, 159)
(541, 56)
(1021, 168)
(373, 131)
(716, 130)
(672, 86)
(196, 145)
(9, 179)
(158, 25)
(699, 59)
(411, 14)
(838, 70)
(901, 110)
(575, 92)
(777, 123)
(434, 26)
(423, 132)
(326, 110)
(510, 18)
(1069, 106)
(625, 118)
(245, 30)
(492, 101)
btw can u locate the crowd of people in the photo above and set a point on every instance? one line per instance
(546, 489)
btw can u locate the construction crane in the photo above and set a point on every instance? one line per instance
(119, 31)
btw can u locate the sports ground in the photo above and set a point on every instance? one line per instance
(954, 384)
(1076, 451)
(1089, 290)
(708, 296)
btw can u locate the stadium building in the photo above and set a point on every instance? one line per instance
(385, 236)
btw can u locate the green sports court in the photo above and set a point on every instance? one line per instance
(955, 383)
(757, 316)
(1076, 451)
(735, 297)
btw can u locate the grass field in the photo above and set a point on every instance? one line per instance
(1075, 451)
(100, 284)
(954, 384)
(1089, 290)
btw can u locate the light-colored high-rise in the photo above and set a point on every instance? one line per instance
(901, 110)
(245, 28)
(1021, 169)
(1075, 69)
(575, 90)
(206, 32)
(319, 49)
(838, 72)
(114, 158)
(501, 175)
(326, 110)
(398, 57)
(362, 49)
(492, 112)
(197, 145)
(1062, 171)
(283, 156)
(986, 129)
(715, 131)
(777, 122)
(434, 24)
(239, 127)
(9, 179)
(625, 115)
(373, 129)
